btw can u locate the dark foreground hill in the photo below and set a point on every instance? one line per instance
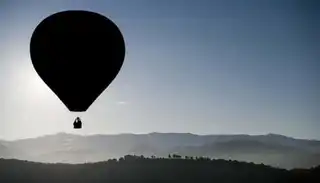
(133, 169)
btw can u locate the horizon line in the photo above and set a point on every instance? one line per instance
(176, 133)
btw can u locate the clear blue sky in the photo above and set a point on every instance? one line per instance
(205, 67)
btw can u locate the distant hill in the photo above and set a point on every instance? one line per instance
(4, 152)
(133, 169)
(271, 149)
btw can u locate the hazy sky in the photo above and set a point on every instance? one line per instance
(205, 67)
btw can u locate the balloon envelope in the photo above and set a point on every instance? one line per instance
(77, 54)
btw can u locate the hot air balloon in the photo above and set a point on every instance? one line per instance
(77, 54)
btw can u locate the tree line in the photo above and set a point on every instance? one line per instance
(134, 168)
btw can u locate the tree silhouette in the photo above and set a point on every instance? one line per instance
(176, 156)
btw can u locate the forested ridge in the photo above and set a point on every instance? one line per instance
(132, 169)
(274, 150)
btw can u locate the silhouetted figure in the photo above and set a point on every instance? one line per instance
(77, 124)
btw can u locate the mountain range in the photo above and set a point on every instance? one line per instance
(271, 149)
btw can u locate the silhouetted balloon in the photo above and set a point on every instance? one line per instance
(77, 54)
